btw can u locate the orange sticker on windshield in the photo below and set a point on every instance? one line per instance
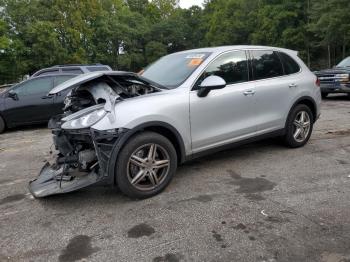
(195, 62)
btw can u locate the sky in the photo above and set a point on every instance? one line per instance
(189, 3)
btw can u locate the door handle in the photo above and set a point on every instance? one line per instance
(47, 97)
(249, 93)
(293, 85)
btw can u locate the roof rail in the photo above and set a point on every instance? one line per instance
(97, 64)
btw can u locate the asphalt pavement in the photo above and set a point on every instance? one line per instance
(259, 202)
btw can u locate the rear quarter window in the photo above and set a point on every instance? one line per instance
(289, 64)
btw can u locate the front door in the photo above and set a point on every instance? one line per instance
(31, 103)
(225, 115)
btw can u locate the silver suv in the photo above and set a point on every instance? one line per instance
(133, 130)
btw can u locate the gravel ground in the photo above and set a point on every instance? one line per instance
(260, 202)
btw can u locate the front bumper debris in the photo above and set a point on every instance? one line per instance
(53, 181)
(74, 169)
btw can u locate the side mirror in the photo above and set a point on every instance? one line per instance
(12, 94)
(210, 83)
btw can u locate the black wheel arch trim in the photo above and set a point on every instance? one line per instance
(3, 119)
(128, 133)
(303, 98)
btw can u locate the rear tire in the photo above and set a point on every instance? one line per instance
(145, 165)
(2, 125)
(324, 95)
(299, 126)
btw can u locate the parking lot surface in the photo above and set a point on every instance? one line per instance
(259, 202)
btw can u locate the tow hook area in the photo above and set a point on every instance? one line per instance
(52, 181)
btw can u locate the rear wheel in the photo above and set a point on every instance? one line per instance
(145, 165)
(299, 126)
(2, 125)
(324, 95)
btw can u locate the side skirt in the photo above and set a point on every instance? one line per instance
(276, 133)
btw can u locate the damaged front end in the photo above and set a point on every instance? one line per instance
(83, 153)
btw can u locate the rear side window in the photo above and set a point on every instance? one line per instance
(266, 64)
(289, 65)
(232, 67)
(98, 68)
(61, 79)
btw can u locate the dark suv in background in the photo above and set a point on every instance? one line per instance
(28, 102)
(335, 80)
(76, 69)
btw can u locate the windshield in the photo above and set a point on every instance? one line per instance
(344, 63)
(172, 70)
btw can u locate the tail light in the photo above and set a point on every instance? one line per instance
(318, 82)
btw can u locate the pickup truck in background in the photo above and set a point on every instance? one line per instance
(335, 80)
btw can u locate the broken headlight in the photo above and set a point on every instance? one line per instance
(85, 121)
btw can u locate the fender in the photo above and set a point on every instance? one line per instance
(128, 133)
(303, 98)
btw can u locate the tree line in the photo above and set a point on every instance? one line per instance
(129, 34)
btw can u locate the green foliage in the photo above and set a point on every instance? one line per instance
(129, 34)
(154, 50)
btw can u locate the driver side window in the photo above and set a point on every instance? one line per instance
(35, 86)
(232, 67)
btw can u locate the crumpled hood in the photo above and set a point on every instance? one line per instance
(81, 79)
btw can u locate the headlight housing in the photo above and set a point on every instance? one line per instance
(86, 120)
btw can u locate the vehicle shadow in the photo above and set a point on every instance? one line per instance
(242, 151)
(337, 97)
(110, 195)
(32, 127)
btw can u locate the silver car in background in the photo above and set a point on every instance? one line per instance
(133, 130)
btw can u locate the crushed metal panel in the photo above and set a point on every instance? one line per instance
(49, 182)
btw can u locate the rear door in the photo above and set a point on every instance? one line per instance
(275, 89)
(32, 104)
(227, 114)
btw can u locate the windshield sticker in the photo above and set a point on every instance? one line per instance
(194, 56)
(195, 62)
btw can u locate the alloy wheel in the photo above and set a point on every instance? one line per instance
(301, 126)
(148, 166)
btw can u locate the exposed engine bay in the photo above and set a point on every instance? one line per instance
(83, 153)
(101, 90)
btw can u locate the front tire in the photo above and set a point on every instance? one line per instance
(2, 125)
(299, 126)
(146, 165)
